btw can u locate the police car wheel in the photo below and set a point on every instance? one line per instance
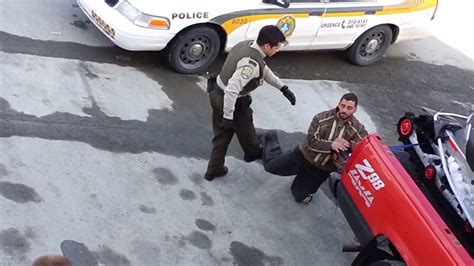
(371, 46)
(193, 51)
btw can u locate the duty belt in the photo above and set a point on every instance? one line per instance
(221, 92)
(214, 86)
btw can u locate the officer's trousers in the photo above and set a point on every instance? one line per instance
(244, 129)
(308, 178)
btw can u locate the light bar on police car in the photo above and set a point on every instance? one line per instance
(141, 19)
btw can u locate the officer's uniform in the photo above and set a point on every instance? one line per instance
(243, 71)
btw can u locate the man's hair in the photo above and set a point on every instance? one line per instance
(350, 97)
(271, 35)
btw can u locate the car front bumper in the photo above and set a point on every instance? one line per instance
(121, 31)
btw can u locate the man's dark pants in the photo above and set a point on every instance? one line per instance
(308, 178)
(244, 129)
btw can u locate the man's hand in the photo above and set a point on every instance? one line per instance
(227, 124)
(288, 94)
(340, 144)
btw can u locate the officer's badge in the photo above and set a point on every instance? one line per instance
(246, 72)
(287, 25)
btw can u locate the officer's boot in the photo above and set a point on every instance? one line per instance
(210, 177)
(251, 158)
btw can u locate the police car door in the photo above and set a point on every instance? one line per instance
(344, 21)
(299, 21)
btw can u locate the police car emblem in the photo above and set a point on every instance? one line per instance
(246, 72)
(287, 25)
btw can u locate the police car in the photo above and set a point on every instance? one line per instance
(193, 33)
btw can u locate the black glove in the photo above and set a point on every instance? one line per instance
(227, 124)
(288, 94)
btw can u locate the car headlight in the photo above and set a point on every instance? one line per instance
(141, 19)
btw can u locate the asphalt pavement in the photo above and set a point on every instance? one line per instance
(103, 150)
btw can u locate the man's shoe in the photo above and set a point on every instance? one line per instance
(269, 136)
(210, 177)
(269, 142)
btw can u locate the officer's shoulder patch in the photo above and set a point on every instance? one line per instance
(247, 72)
(253, 62)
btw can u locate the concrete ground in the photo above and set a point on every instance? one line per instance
(103, 150)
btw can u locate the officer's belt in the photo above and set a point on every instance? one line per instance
(217, 86)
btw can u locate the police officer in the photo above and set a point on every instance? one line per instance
(243, 71)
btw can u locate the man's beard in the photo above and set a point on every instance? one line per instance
(343, 116)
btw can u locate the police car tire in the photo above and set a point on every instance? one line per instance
(175, 50)
(381, 32)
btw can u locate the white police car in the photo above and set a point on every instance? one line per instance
(194, 32)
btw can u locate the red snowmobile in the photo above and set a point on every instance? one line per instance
(410, 204)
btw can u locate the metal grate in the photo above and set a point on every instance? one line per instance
(111, 3)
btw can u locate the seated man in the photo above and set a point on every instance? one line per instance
(330, 133)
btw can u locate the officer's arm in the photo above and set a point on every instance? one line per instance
(244, 72)
(271, 78)
(315, 140)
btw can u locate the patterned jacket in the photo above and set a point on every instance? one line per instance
(325, 128)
